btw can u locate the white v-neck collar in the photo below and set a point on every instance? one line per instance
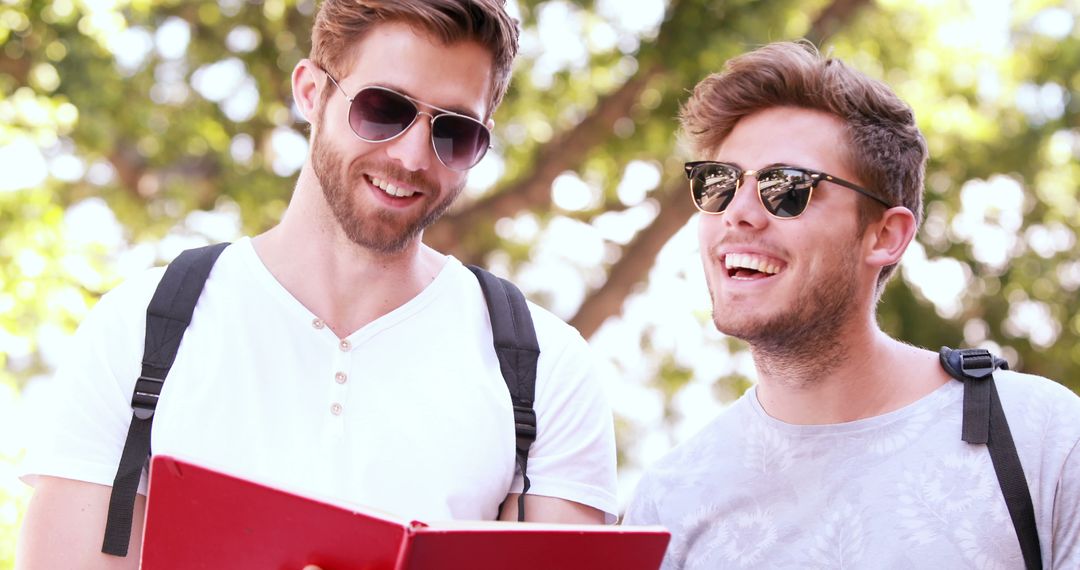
(265, 281)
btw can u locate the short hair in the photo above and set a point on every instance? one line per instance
(340, 24)
(885, 148)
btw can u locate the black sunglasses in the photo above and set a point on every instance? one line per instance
(378, 114)
(784, 190)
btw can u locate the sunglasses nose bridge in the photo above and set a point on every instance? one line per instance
(430, 135)
(412, 147)
(746, 205)
(416, 117)
(741, 182)
(431, 117)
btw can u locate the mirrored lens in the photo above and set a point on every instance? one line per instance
(377, 115)
(713, 186)
(459, 142)
(785, 192)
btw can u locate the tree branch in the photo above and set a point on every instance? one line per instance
(834, 17)
(533, 191)
(19, 68)
(564, 152)
(637, 259)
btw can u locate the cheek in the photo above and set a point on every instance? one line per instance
(453, 178)
(451, 182)
(703, 229)
(709, 232)
(833, 256)
(708, 238)
(335, 135)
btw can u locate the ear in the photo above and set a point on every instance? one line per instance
(305, 88)
(888, 238)
(491, 124)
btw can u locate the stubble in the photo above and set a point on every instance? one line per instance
(802, 344)
(381, 230)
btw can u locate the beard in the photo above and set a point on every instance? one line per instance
(803, 342)
(380, 230)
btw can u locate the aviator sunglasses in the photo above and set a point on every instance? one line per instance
(784, 190)
(378, 114)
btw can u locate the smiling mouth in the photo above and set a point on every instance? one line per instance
(390, 188)
(750, 266)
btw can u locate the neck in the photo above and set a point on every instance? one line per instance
(345, 285)
(860, 372)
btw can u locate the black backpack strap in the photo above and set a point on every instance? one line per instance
(167, 317)
(518, 351)
(984, 423)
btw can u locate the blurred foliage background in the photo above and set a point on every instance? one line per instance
(133, 129)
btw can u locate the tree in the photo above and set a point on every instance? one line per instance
(168, 119)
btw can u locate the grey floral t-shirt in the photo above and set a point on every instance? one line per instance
(900, 490)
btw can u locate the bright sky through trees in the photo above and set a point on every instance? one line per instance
(133, 129)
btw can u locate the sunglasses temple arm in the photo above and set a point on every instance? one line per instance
(858, 189)
(871, 196)
(336, 84)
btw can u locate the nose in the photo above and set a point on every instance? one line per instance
(412, 149)
(746, 209)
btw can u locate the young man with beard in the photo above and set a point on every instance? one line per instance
(847, 453)
(336, 355)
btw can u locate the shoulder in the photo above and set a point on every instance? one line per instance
(132, 295)
(116, 324)
(717, 442)
(678, 479)
(126, 301)
(1028, 390)
(553, 334)
(1040, 410)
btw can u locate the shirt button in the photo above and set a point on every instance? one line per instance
(344, 345)
(318, 323)
(340, 377)
(335, 409)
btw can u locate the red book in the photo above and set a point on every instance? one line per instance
(201, 518)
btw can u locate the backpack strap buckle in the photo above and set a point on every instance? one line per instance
(970, 363)
(976, 362)
(524, 425)
(145, 398)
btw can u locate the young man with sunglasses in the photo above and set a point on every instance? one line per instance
(847, 453)
(336, 355)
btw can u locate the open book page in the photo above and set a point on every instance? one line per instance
(495, 526)
(532, 546)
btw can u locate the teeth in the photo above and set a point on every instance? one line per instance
(750, 261)
(391, 189)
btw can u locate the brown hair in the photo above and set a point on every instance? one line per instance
(340, 24)
(885, 149)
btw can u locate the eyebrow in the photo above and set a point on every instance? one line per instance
(766, 167)
(403, 91)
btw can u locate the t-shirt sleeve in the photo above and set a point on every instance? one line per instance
(642, 511)
(573, 457)
(1066, 520)
(78, 419)
(1044, 418)
(642, 507)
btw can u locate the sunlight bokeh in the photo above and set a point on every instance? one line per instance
(665, 367)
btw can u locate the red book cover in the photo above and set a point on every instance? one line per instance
(201, 518)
